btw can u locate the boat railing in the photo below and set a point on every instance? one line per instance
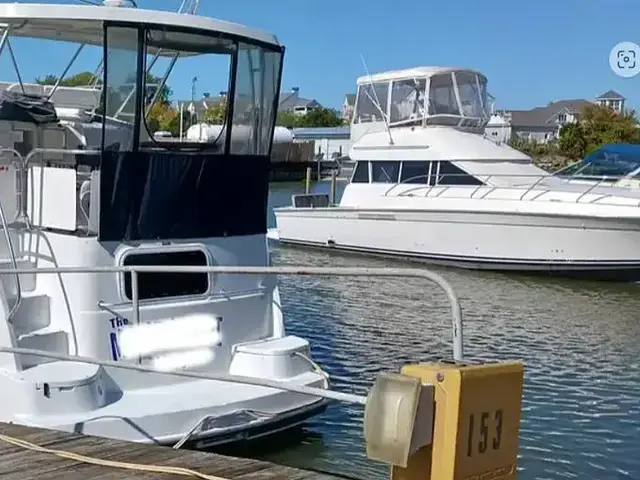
(533, 182)
(14, 160)
(134, 271)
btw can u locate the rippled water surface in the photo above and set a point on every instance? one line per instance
(580, 342)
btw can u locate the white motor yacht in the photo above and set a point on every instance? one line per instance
(83, 183)
(429, 184)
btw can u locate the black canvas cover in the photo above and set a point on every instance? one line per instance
(22, 107)
(178, 195)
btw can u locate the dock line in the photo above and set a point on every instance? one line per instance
(185, 472)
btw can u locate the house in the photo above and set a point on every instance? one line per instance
(612, 100)
(289, 101)
(197, 108)
(542, 124)
(293, 102)
(348, 105)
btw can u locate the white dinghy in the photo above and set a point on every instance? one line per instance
(83, 183)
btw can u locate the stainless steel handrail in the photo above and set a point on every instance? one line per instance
(456, 310)
(7, 235)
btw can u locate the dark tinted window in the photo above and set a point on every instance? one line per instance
(449, 174)
(361, 173)
(385, 172)
(159, 285)
(415, 172)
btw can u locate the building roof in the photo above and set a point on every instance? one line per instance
(291, 100)
(85, 23)
(546, 116)
(610, 95)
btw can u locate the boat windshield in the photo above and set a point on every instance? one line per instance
(612, 161)
(452, 98)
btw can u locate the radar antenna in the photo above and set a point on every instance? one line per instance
(376, 101)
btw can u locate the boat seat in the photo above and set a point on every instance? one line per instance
(59, 374)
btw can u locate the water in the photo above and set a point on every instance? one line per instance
(579, 342)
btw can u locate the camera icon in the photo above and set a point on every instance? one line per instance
(624, 59)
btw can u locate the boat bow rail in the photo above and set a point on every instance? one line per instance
(526, 187)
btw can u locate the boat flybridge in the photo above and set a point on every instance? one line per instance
(83, 183)
(429, 184)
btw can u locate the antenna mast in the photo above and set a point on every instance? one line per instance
(376, 102)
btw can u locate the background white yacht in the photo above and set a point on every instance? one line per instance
(428, 184)
(84, 184)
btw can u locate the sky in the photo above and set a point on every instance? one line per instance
(532, 52)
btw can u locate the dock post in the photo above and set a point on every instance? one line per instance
(476, 422)
(307, 184)
(446, 421)
(332, 195)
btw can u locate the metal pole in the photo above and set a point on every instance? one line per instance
(66, 70)
(181, 120)
(15, 65)
(332, 196)
(307, 183)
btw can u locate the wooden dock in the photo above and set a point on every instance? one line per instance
(49, 454)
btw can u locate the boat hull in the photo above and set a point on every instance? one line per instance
(597, 248)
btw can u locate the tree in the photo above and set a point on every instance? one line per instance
(287, 118)
(216, 114)
(163, 117)
(82, 79)
(321, 117)
(532, 148)
(318, 117)
(598, 125)
(572, 141)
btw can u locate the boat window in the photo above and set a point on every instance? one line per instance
(442, 96)
(449, 174)
(199, 119)
(121, 73)
(407, 100)
(256, 88)
(371, 99)
(161, 285)
(361, 173)
(415, 172)
(472, 94)
(385, 172)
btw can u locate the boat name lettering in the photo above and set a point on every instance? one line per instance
(118, 322)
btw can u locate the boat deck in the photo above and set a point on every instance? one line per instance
(58, 455)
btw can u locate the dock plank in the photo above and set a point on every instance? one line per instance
(18, 463)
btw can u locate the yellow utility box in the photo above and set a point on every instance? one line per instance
(476, 422)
